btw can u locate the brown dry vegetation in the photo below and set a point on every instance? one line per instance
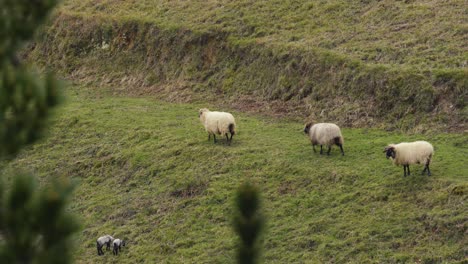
(178, 64)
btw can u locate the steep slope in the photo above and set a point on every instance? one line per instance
(422, 33)
(399, 65)
(148, 174)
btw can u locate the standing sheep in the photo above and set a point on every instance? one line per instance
(117, 243)
(220, 123)
(324, 134)
(411, 153)
(104, 240)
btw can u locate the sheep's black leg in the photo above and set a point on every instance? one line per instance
(214, 136)
(404, 170)
(341, 148)
(227, 139)
(428, 170)
(99, 248)
(313, 147)
(329, 149)
(232, 134)
(209, 136)
(321, 150)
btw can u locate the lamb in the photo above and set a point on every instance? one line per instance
(220, 123)
(117, 243)
(411, 153)
(107, 239)
(324, 134)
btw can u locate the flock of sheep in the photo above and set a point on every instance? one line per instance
(117, 244)
(328, 134)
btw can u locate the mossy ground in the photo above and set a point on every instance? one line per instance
(147, 174)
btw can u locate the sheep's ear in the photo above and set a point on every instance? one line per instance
(388, 148)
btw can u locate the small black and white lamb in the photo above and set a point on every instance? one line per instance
(104, 240)
(117, 243)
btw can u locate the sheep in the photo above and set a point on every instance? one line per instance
(324, 134)
(117, 243)
(107, 239)
(411, 153)
(220, 123)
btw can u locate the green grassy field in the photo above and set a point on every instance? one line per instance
(421, 33)
(147, 174)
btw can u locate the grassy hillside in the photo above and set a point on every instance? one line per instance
(398, 65)
(422, 33)
(148, 174)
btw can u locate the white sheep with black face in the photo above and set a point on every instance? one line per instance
(418, 152)
(324, 134)
(101, 241)
(117, 244)
(220, 123)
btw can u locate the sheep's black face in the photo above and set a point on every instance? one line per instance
(390, 153)
(307, 128)
(201, 111)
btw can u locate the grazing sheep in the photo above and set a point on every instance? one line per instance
(411, 153)
(107, 239)
(324, 134)
(117, 243)
(220, 123)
